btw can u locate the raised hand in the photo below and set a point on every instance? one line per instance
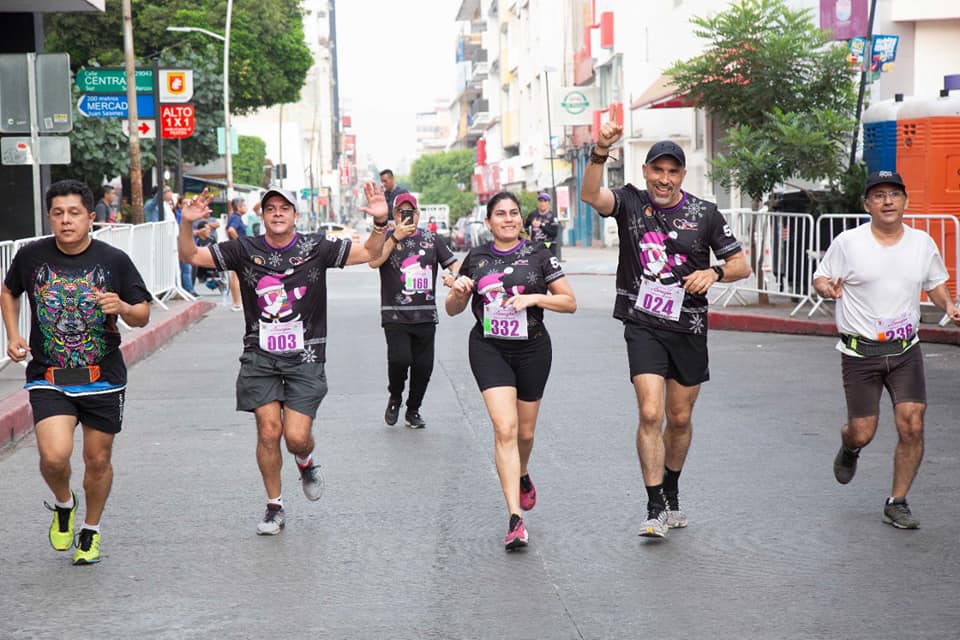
(609, 133)
(196, 208)
(376, 203)
(402, 231)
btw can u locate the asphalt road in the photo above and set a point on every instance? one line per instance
(407, 540)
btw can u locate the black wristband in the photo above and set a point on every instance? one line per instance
(719, 271)
(596, 158)
(380, 225)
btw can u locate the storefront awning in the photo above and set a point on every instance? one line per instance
(662, 94)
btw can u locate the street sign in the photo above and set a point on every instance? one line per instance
(113, 80)
(177, 120)
(54, 102)
(50, 150)
(176, 85)
(147, 128)
(114, 106)
(222, 143)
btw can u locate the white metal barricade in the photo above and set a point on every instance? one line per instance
(152, 248)
(777, 246)
(944, 229)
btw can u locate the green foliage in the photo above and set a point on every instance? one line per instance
(268, 58)
(248, 164)
(780, 87)
(444, 178)
(528, 202)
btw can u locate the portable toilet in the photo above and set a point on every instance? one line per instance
(880, 134)
(928, 158)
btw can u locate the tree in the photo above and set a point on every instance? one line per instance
(248, 164)
(781, 90)
(268, 57)
(444, 178)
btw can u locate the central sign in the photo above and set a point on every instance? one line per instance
(112, 80)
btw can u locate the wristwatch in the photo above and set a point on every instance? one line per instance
(719, 271)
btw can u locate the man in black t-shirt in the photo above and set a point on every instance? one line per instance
(77, 288)
(408, 268)
(542, 225)
(283, 288)
(390, 189)
(663, 274)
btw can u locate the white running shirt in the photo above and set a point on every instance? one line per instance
(880, 284)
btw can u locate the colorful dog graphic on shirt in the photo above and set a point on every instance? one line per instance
(275, 300)
(654, 258)
(70, 319)
(412, 271)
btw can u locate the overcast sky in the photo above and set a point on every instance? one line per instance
(396, 58)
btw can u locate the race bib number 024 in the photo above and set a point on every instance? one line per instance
(504, 322)
(281, 337)
(660, 300)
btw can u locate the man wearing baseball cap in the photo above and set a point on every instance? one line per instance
(408, 265)
(875, 273)
(542, 225)
(283, 287)
(663, 275)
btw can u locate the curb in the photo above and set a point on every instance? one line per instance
(16, 417)
(728, 321)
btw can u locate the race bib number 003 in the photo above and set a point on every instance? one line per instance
(660, 300)
(899, 328)
(504, 322)
(281, 337)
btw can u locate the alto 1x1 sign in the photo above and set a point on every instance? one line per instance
(177, 120)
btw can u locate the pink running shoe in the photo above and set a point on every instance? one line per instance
(517, 535)
(528, 493)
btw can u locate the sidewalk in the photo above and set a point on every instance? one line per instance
(762, 318)
(15, 416)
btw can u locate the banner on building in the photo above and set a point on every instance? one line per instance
(846, 19)
(575, 105)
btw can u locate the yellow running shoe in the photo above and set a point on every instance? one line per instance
(88, 547)
(61, 529)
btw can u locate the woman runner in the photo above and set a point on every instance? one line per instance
(506, 283)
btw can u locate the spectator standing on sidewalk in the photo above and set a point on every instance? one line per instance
(663, 275)
(408, 265)
(104, 206)
(284, 287)
(508, 284)
(542, 225)
(77, 288)
(236, 229)
(390, 188)
(875, 272)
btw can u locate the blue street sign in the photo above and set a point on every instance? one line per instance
(114, 106)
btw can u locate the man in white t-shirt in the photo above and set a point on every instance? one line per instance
(875, 273)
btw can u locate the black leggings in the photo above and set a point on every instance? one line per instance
(409, 346)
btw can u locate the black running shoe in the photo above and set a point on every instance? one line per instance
(392, 413)
(414, 421)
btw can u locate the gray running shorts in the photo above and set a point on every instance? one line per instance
(264, 379)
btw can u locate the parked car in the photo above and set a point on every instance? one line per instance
(458, 236)
(477, 234)
(337, 230)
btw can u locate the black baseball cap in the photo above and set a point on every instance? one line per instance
(883, 177)
(666, 148)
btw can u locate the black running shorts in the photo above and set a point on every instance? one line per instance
(523, 364)
(865, 378)
(264, 379)
(670, 354)
(100, 411)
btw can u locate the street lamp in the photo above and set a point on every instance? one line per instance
(228, 159)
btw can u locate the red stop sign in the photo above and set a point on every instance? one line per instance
(177, 120)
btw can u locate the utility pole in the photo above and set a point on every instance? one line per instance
(867, 60)
(130, 63)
